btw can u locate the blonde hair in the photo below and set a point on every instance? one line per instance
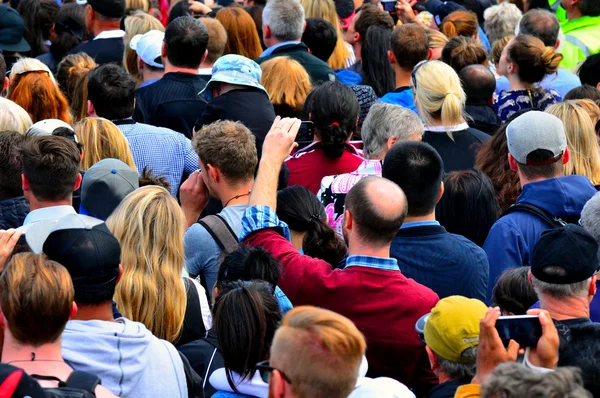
(137, 24)
(592, 109)
(436, 38)
(150, 225)
(13, 117)
(320, 351)
(497, 48)
(439, 94)
(143, 5)
(29, 64)
(72, 75)
(101, 139)
(325, 9)
(286, 81)
(581, 138)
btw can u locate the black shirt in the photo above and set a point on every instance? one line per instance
(103, 51)
(458, 152)
(316, 69)
(447, 389)
(205, 357)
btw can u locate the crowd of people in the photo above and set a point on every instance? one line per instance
(299, 198)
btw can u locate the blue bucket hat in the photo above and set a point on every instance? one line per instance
(234, 69)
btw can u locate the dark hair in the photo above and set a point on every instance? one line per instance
(245, 316)
(418, 169)
(51, 165)
(249, 263)
(589, 71)
(38, 17)
(147, 177)
(478, 82)
(584, 91)
(373, 226)
(320, 37)
(461, 51)
(533, 58)
(2, 70)
(410, 45)
(377, 70)
(112, 92)
(303, 212)
(542, 24)
(334, 110)
(545, 171)
(589, 8)
(10, 164)
(186, 39)
(255, 12)
(70, 30)
(369, 16)
(513, 293)
(469, 206)
(179, 9)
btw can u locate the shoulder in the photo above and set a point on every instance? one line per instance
(478, 134)
(466, 247)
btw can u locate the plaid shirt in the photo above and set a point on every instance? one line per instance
(256, 218)
(168, 153)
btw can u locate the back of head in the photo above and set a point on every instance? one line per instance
(592, 109)
(501, 20)
(479, 84)
(247, 264)
(377, 70)
(461, 52)
(590, 216)
(137, 24)
(285, 19)
(369, 16)
(36, 296)
(186, 40)
(102, 140)
(498, 48)
(217, 39)
(460, 23)
(286, 81)
(230, 147)
(111, 90)
(303, 212)
(178, 9)
(410, 45)
(334, 109)
(13, 117)
(589, 71)
(385, 121)
(378, 208)
(69, 28)
(70, 69)
(585, 91)
(513, 293)
(320, 37)
(39, 17)
(533, 59)
(143, 5)
(418, 169)
(10, 164)
(438, 93)
(51, 166)
(436, 39)
(320, 351)
(589, 8)
(245, 316)
(242, 36)
(542, 24)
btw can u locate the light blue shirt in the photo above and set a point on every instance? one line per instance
(562, 82)
(270, 50)
(419, 224)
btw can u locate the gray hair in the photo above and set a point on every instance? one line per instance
(556, 291)
(456, 370)
(285, 18)
(501, 20)
(385, 121)
(590, 216)
(514, 380)
(542, 24)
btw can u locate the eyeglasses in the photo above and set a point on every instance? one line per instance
(413, 75)
(265, 371)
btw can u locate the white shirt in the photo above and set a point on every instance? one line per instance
(110, 34)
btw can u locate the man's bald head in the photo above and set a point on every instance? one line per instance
(478, 82)
(378, 208)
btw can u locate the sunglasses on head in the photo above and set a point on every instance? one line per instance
(413, 75)
(265, 371)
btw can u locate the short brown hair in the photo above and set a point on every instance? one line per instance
(410, 45)
(36, 296)
(51, 165)
(320, 351)
(217, 39)
(229, 146)
(370, 15)
(463, 51)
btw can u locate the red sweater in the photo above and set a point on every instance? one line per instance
(384, 305)
(309, 165)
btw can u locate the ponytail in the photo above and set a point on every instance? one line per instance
(551, 59)
(333, 139)
(449, 29)
(321, 241)
(452, 109)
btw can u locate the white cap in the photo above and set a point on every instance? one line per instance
(149, 47)
(382, 387)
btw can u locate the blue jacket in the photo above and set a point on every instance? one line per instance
(512, 238)
(402, 96)
(446, 263)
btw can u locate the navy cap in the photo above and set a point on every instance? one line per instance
(11, 31)
(109, 8)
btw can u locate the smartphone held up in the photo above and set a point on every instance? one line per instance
(524, 329)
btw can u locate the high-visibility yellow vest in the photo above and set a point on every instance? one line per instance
(582, 39)
(556, 6)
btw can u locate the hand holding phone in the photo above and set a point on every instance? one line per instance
(306, 134)
(524, 329)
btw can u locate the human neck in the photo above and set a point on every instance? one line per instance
(443, 377)
(357, 51)
(206, 65)
(101, 312)
(150, 75)
(403, 77)
(297, 239)
(103, 26)
(428, 217)
(228, 193)
(34, 204)
(566, 308)
(359, 248)
(14, 351)
(516, 84)
(574, 13)
(524, 180)
(173, 69)
(274, 42)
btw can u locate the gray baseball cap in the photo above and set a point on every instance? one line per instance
(536, 130)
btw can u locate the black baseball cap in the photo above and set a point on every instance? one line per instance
(109, 8)
(91, 255)
(569, 247)
(11, 31)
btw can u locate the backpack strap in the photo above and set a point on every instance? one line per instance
(548, 218)
(221, 232)
(83, 381)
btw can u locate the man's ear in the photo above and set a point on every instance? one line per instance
(140, 64)
(530, 278)
(163, 50)
(429, 54)
(5, 85)
(277, 385)
(433, 359)
(24, 183)
(391, 142)
(391, 57)
(304, 27)
(77, 182)
(120, 273)
(91, 110)
(441, 192)
(348, 221)
(267, 31)
(557, 44)
(593, 286)
(73, 311)
(204, 56)
(566, 155)
(512, 162)
(213, 172)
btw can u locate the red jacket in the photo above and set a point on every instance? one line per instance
(383, 304)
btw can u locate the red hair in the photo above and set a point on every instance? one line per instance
(39, 95)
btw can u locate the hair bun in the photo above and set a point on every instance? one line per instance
(551, 60)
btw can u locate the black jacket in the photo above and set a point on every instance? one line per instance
(317, 69)
(103, 51)
(205, 357)
(172, 102)
(458, 152)
(13, 212)
(484, 118)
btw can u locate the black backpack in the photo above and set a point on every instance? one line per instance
(552, 221)
(78, 385)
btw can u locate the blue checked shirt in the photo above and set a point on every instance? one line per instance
(168, 153)
(256, 218)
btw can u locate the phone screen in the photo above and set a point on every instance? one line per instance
(389, 6)
(524, 329)
(306, 133)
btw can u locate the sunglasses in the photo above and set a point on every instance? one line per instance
(265, 371)
(413, 75)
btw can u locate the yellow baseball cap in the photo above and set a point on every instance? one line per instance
(453, 326)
